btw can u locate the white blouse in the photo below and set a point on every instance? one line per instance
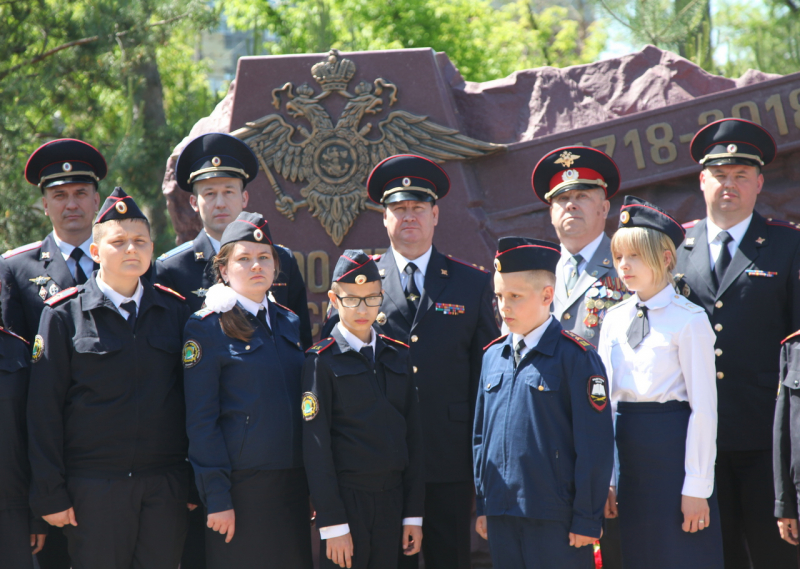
(675, 361)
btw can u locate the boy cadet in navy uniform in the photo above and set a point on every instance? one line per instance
(742, 269)
(444, 312)
(215, 168)
(106, 412)
(543, 437)
(362, 439)
(21, 535)
(68, 173)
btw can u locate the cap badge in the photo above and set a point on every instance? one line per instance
(67, 167)
(624, 217)
(121, 207)
(570, 175)
(732, 149)
(361, 279)
(406, 182)
(567, 158)
(258, 235)
(215, 161)
(497, 265)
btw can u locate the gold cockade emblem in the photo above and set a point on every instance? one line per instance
(335, 159)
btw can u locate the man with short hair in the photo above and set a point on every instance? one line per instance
(743, 270)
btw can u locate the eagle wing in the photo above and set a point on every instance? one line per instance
(270, 138)
(405, 133)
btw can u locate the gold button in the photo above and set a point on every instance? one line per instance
(414, 338)
(247, 347)
(639, 314)
(718, 304)
(718, 352)
(488, 386)
(541, 388)
(720, 375)
(567, 316)
(415, 369)
(718, 327)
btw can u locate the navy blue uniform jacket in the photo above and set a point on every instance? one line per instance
(105, 401)
(368, 423)
(541, 449)
(242, 401)
(786, 442)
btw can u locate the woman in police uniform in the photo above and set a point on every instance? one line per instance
(243, 363)
(658, 350)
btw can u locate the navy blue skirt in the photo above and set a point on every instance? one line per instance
(651, 444)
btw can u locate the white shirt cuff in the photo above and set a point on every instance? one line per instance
(412, 521)
(334, 531)
(697, 487)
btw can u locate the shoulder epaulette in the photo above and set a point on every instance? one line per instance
(282, 306)
(202, 314)
(169, 290)
(22, 249)
(321, 346)
(66, 293)
(10, 333)
(388, 339)
(375, 258)
(493, 342)
(782, 223)
(690, 224)
(790, 336)
(175, 251)
(466, 264)
(583, 343)
(687, 304)
(617, 305)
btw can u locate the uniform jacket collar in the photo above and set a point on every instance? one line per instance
(54, 264)
(546, 346)
(342, 345)
(596, 268)
(92, 297)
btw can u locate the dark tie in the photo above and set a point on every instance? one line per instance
(262, 317)
(572, 279)
(640, 326)
(130, 308)
(412, 292)
(368, 353)
(724, 258)
(80, 276)
(518, 352)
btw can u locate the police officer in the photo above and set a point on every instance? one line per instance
(106, 411)
(442, 308)
(215, 168)
(577, 182)
(68, 173)
(742, 269)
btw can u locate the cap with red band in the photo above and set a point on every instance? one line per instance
(574, 168)
(516, 254)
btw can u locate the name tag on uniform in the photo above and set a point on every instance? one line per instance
(449, 309)
(756, 273)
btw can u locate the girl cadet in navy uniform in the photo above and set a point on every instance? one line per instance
(243, 366)
(658, 349)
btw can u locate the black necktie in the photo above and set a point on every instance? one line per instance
(412, 292)
(640, 326)
(368, 353)
(724, 258)
(80, 276)
(130, 308)
(518, 352)
(262, 317)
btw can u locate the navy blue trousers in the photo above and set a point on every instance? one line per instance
(523, 543)
(651, 443)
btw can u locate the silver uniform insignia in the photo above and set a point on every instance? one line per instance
(39, 281)
(201, 292)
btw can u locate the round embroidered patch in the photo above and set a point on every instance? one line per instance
(38, 348)
(121, 207)
(191, 354)
(624, 217)
(310, 406)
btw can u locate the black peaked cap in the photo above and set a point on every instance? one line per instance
(574, 168)
(733, 141)
(516, 254)
(407, 177)
(215, 155)
(65, 161)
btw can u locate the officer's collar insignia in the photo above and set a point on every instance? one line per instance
(309, 406)
(760, 240)
(45, 254)
(597, 392)
(39, 281)
(382, 272)
(690, 241)
(38, 348)
(320, 346)
(199, 255)
(201, 292)
(444, 272)
(191, 354)
(577, 339)
(679, 276)
(606, 262)
(567, 158)
(381, 319)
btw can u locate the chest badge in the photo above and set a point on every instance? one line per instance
(450, 309)
(598, 396)
(39, 281)
(201, 292)
(43, 293)
(309, 406)
(53, 290)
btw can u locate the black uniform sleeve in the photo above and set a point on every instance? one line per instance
(414, 474)
(298, 301)
(477, 449)
(317, 451)
(785, 490)
(11, 303)
(485, 332)
(50, 380)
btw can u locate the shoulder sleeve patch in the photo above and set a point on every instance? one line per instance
(690, 224)
(176, 250)
(493, 342)
(321, 346)
(66, 293)
(286, 308)
(781, 223)
(169, 290)
(790, 336)
(393, 341)
(309, 406)
(202, 314)
(29, 247)
(597, 391)
(584, 344)
(466, 264)
(10, 333)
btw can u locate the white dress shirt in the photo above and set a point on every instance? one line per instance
(675, 361)
(254, 307)
(564, 268)
(87, 264)
(118, 300)
(531, 338)
(422, 265)
(355, 342)
(214, 242)
(715, 244)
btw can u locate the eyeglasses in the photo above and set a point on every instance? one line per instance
(355, 301)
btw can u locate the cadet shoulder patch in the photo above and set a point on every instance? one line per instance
(38, 348)
(309, 406)
(584, 344)
(597, 391)
(393, 341)
(169, 290)
(690, 224)
(466, 264)
(286, 308)
(29, 247)
(321, 346)
(493, 342)
(66, 293)
(192, 352)
(176, 250)
(790, 336)
(10, 333)
(202, 314)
